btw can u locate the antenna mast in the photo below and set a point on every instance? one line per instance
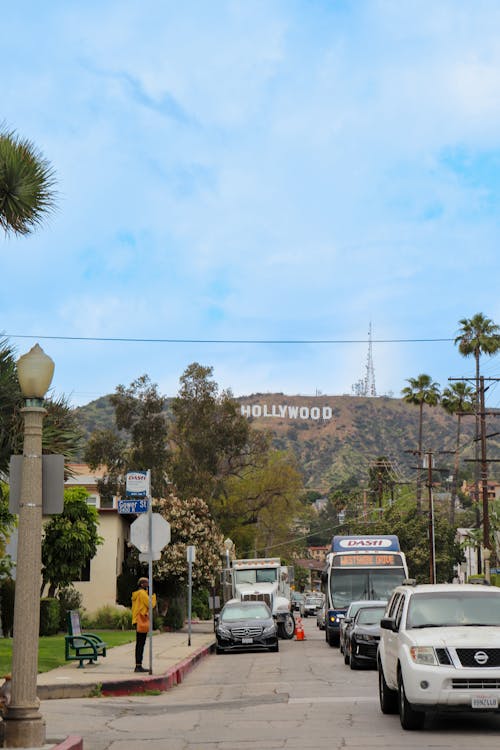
(369, 384)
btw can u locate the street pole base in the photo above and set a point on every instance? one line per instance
(23, 727)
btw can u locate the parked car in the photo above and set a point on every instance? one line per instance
(439, 651)
(349, 616)
(244, 626)
(320, 617)
(311, 604)
(297, 599)
(363, 636)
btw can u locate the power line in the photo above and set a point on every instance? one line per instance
(127, 339)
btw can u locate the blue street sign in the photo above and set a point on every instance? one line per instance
(135, 505)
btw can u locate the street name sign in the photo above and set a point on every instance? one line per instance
(133, 505)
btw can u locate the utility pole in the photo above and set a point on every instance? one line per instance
(483, 460)
(432, 543)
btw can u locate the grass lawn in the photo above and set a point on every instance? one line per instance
(51, 649)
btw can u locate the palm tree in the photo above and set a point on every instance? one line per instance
(458, 399)
(478, 335)
(26, 185)
(421, 390)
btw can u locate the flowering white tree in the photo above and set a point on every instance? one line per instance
(190, 524)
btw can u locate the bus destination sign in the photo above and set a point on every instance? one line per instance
(367, 560)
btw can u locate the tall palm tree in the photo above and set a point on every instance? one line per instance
(26, 185)
(421, 390)
(478, 335)
(458, 399)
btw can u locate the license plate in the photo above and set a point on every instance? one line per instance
(247, 640)
(484, 701)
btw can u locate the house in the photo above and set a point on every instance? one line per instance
(98, 581)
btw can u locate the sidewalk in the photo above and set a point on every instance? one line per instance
(114, 674)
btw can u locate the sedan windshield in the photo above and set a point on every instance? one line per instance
(453, 609)
(370, 616)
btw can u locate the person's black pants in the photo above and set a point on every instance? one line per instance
(140, 640)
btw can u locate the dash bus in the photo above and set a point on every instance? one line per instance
(358, 568)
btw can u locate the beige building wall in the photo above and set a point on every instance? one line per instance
(107, 564)
(114, 528)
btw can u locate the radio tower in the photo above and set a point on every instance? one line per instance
(370, 389)
(366, 386)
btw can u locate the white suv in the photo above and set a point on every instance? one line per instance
(439, 650)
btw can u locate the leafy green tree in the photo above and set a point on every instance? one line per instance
(70, 541)
(259, 508)
(411, 526)
(26, 185)
(141, 441)
(458, 400)
(211, 440)
(420, 391)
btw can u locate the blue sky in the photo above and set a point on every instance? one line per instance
(255, 170)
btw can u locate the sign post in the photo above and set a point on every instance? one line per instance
(150, 533)
(191, 556)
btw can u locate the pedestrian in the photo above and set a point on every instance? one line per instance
(140, 618)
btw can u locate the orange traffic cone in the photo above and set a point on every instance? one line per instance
(299, 630)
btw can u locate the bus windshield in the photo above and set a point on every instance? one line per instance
(351, 585)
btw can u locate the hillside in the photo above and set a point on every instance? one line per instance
(335, 437)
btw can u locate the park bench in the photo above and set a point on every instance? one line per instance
(82, 646)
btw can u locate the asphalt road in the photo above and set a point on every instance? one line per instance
(302, 697)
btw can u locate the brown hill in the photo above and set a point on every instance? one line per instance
(337, 437)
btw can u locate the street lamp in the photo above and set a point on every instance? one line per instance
(228, 545)
(24, 725)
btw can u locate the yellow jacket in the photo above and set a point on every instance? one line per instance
(140, 603)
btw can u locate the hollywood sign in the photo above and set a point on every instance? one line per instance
(285, 411)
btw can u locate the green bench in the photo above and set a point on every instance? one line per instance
(82, 646)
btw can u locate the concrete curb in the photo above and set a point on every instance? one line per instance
(173, 676)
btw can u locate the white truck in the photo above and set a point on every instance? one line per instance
(264, 579)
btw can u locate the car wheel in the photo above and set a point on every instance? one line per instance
(341, 646)
(286, 629)
(409, 718)
(219, 650)
(331, 638)
(353, 662)
(388, 698)
(276, 647)
(346, 656)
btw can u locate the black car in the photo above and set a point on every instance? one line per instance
(363, 637)
(246, 626)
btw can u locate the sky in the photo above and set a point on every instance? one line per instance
(251, 184)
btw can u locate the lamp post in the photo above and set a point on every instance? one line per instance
(228, 545)
(24, 725)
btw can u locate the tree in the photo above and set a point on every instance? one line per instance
(190, 524)
(70, 541)
(478, 335)
(410, 525)
(381, 480)
(421, 390)
(26, 185)
(211, 440)
(140, 444)
(259, 508)
(458, 400)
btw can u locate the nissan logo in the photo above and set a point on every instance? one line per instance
(480, 657)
